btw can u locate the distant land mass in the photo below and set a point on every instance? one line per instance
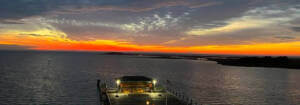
(246, 61)
(267, 61)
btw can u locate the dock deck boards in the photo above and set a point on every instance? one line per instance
(142, 98)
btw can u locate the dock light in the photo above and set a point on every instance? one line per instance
(147, 102)
(118, 82)
(154, 81)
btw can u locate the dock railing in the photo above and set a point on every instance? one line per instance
(104, 100)
(179, 94)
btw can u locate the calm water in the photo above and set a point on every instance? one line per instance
(31, 78)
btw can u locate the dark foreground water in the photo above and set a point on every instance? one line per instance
(30, 78)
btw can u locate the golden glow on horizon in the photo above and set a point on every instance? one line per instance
(49, 40)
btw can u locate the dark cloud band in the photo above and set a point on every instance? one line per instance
(18, 9)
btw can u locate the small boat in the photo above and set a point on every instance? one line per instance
(136, 90)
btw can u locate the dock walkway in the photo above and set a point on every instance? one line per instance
(161, 98)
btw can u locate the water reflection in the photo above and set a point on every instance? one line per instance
(293, 91)
(70, 78)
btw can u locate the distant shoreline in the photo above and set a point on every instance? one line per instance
(267, 61)
(245, 61)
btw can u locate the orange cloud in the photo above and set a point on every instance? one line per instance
(63, 43)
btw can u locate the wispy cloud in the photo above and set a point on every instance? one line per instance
(74, 22)
(150, 25)
(284, 37)
(32, 28)
(297, 29)
(14, 47)
(142, 24)
(155, 22)
(255, 18)
(19, 9)
(142, 5)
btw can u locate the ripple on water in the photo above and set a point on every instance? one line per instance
(54, 78)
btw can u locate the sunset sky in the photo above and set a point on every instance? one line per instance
(247, 27)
